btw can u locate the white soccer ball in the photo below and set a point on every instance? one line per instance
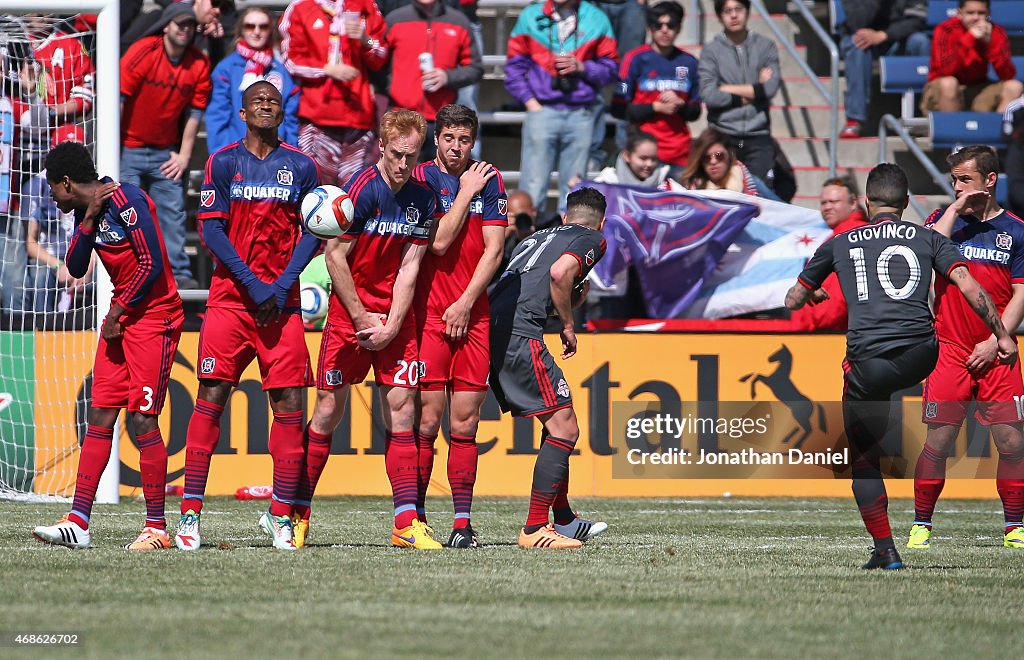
(313, 301)
(327, 211)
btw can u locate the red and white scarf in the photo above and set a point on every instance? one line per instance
(257, 63)
(336, 10)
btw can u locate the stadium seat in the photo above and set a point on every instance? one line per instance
(906, 75)
(951, 130)
(836, 15)
(940, 10)
(1018, 61)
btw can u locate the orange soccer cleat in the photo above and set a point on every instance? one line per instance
(547, 537)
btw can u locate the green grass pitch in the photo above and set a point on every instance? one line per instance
(719, 577)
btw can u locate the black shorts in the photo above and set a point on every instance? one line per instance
(524, 377)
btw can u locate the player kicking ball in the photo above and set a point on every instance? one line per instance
(452, 315)
(884, 270)
(138, 338)
(249, 212)
(546, 274)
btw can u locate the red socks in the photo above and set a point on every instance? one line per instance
(929, 478)
(153, 467)
(401, 463)
(425, 462)
(462, 462)
(200, 441)
(285, 447)
(318, 450)
(92, 460)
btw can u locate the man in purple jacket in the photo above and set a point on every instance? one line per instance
(561, 53)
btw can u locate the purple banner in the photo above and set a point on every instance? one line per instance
(674, 240)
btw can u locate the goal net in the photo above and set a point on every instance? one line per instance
(47, 318)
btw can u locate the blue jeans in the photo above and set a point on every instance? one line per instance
(858, 68)
(12, 268)
(551, 135)
(141, 166)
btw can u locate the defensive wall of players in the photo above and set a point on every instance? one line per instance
(703, 394)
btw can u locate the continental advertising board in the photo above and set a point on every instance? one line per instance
(789, 384)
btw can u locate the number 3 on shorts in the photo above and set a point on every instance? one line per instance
(408, 373)
(148, 393)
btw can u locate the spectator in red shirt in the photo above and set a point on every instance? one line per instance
(429, 28)
(330, 47)
(962, 49)
(165, 82)
(841, 213)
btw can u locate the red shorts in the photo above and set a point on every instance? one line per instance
(462, 366)
(950, 388)
(230, 339)
(133, 372)
(343, 362)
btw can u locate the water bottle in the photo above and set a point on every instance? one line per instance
(254, 493)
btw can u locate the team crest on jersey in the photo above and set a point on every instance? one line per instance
(207, 197)
(104, 226)
(285, 177)
(275, 79)
(1004, 241)
(129, 216)
(502, 207)
(412, 215)
(931, 410)
(333, 377)
(589, 257)
(370, 226)
(207, 365)
(682, 73)
(563, 389)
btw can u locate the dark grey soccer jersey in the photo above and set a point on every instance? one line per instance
(884, 269)
(521, 300)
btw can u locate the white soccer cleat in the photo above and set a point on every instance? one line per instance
(580, 529)
(187, 537)
(278, 528)
(64, 532)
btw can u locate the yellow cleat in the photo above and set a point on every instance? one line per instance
(1014, 538)
(417, 535)
(300, 528)
(920, 537)
(547, 538)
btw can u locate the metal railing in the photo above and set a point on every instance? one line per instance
(831, 98)
(890, 122)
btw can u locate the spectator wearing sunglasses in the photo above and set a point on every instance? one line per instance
(658, 90)
(714, 166)
(254, 57)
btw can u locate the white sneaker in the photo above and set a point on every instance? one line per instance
(581, 529)
(64, 532)
(279, 528)
(187, 537)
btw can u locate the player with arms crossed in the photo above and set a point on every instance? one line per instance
(138, 339)
(249, 215)
(547, 274)
(452, 315)
(992, 241)
(373, 268)
(884, 270)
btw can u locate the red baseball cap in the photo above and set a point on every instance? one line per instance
(67, 133)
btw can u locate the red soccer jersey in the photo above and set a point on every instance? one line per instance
(130, 244)
(384, 222)
(258, 201)
(955, 52)
(443, 278)
(157, 92)
(994, 251)
(68, 70)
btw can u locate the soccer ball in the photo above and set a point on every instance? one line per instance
(313, 302)
(327, 211)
